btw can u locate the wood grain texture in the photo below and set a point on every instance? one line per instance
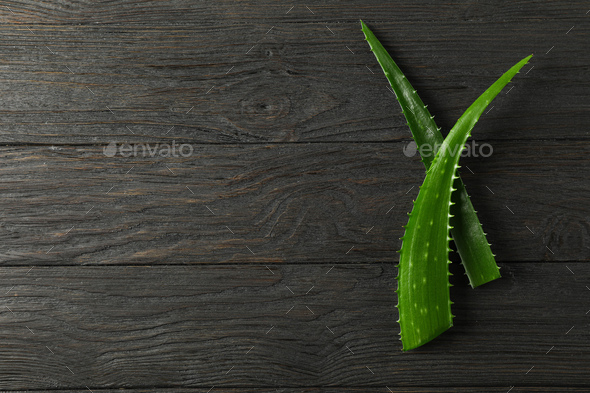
(229, 82)
(241, 326)
(160, 274)
(288, 203)
(186, 11)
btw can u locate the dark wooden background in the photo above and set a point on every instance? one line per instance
(265, 262)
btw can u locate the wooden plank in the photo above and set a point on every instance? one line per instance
(329, 203)
(186, 11)
(295, 326)
(234, 83)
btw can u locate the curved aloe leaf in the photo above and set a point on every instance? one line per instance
(472, 246)
(423, 288)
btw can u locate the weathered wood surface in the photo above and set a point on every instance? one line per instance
(294, 326)
(287, 203)
(186, 11)
(298, 183)
(228, 79)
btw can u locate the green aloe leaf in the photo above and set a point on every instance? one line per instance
(423, 288)
(472, 246)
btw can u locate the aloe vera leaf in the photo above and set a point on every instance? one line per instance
(423, 288)
(472, 245)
